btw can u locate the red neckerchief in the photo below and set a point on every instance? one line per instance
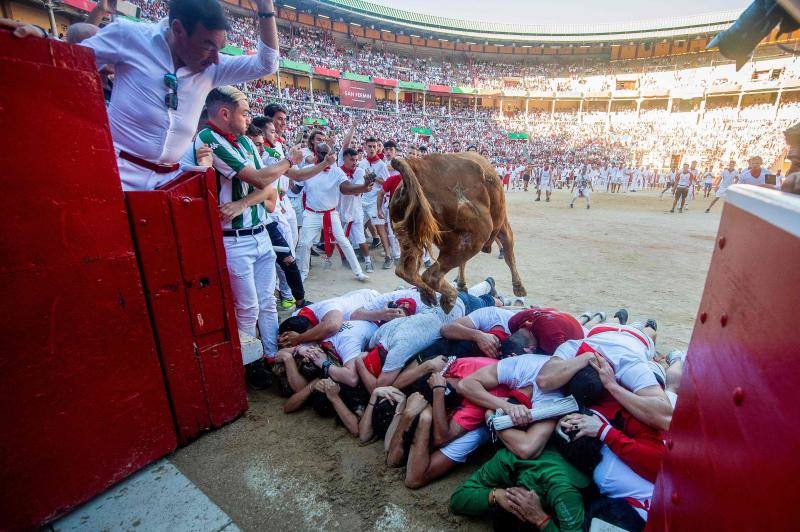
(348, 172)
(268, 143)
(227, 136)
(281, 140)
(373, 160)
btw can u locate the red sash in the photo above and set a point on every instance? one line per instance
(598, 330)
(327, 227)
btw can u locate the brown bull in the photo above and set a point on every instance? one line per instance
(456, 202)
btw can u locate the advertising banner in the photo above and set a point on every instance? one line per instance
(356, 94)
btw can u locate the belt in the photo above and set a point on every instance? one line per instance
(244, 232)
(157, 168)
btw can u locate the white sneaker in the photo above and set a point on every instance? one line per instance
(362, 277)
(519, 302)
(368, 267)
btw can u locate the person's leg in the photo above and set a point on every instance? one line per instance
(312, 223)
(344, 244)
(264, 275)
(684, 194)
(287, 265)
(482, 288)
(381, 228)
(241, 255)
(674, 201)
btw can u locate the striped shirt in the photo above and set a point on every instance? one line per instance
(229, 160)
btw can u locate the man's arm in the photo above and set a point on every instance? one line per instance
(474, 387)
(384, 314)
(473, 496)
(327, 327)
(350, 189)
(268, 195)
(264, 177)
(307, 172)
(528, 444)
(464, 329)
(346, 374)
(557, 372)
(234, 70)
(299, 398)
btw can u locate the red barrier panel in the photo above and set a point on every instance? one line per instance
(82, 396)
(178, 239)
(733, 454)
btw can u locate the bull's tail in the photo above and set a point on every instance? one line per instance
(418, 221)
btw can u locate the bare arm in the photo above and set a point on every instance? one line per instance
(349, 419)
(299, 398)
(267, 196)
(412, 372)
(528, 444)
(384, 314)
(304, 174)
(464, 329)
(557, 372)
(346, 374)
(474, 387)
(331, 322)
(649, 405)
(296, 380)
(264, 177)
(369, 380)
(350, 189)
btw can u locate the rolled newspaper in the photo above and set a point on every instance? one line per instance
(541, 411)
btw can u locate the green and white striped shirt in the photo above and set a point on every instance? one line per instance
(228, 162)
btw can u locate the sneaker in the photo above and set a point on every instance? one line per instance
(328, 264)
(361, 277)
(314, 252)
(652, 324)
(672, 211)
(601, 315)
(257, 376)
(571, 206)
(319, 248)
(368, 267)
(287, 304)
(588, 207)
(538, 199)
(492, 287)
(675, 355)
(707, 211)
(679, 210)
(387, 263)
(547, 199)
(622, 316)
(376, 243)
(519, 302)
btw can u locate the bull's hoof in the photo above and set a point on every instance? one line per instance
(519, 290)
(447, 303)
(428, 297)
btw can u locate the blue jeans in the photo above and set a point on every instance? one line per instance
(474, 303)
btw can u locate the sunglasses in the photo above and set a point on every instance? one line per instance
(171, 98)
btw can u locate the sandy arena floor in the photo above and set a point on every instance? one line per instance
(270, 471)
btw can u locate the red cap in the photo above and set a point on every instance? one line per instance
(409, 303)
(309, 315)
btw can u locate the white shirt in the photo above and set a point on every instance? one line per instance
(521, 371)
(627, 355)
(352, 338)
(350, 204)
(346, 303)
(487, 318)
(746, 178)
(684, 179)
(322, 190)
(727, 178)
(381, 172)
(141, 124)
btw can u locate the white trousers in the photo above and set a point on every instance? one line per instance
(312, 225)
(251, 266)
(394, 245)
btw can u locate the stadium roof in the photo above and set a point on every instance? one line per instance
(427, 25)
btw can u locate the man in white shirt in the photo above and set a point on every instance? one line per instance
(163, 73)
(350, 206)
(373, 164)
(545, 183)
(727, 177)
(684, 181)
(321, 194)
(754, 175)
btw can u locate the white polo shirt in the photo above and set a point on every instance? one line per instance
(380, 302)
(521, 371)
(141, 123)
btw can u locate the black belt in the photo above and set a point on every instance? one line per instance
(243, 232)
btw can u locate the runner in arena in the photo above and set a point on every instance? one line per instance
(545, 183)
(580, 189)
(729, 176)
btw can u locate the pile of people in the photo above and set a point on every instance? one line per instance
(574, 407)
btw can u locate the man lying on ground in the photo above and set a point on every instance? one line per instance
(627, 350)
(321, 320)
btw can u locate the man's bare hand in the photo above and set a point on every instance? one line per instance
(289, 339)
(604, 370)
(389, 314)
(229, 211)
(583, 424)
(435, 365)
(436, 380)
(295, 155)
(330, 159)
(526, 505)
(29, 30)
(520, 415)
(489, 344)
(204, 155)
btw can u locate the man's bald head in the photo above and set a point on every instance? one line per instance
(80, 31)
